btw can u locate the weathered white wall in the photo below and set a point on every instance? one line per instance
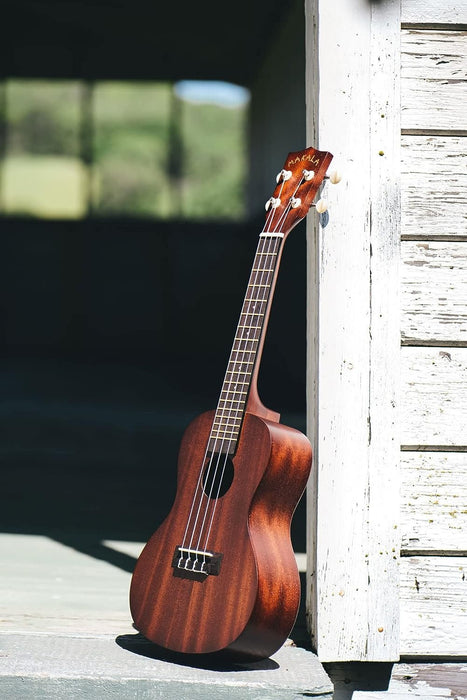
(380, 274)
(434, 328)
(353, 111)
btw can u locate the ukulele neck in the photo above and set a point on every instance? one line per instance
(243, 366)
(297, 185)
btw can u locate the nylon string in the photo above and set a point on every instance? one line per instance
(226, 415)
(219, 442)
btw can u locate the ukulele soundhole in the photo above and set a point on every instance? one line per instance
(218, 475)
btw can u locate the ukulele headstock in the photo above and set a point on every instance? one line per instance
(297, 185)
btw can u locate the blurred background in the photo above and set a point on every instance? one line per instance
(138, 145)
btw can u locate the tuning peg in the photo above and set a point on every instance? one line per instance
(272, 202)
(284, 175)
(321, 206)
(334, 177)
(308, 174)
(295, 202)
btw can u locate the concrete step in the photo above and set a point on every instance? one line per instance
(66, 632)
(56, 666)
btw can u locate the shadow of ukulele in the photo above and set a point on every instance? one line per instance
(138, 644)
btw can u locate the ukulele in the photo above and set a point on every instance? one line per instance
(219, 575)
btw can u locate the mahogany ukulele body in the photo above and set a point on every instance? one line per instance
(250, 607)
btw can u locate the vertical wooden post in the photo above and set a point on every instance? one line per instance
(175, 154)
(87, 146)
(3, 138)
(354, 338)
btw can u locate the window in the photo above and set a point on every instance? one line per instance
(73, 149)
(42, 173)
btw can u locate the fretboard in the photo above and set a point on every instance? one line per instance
(244, 354)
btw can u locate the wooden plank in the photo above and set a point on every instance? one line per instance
(433, 185)
(425, 680)
(434, 293)
(402, 694)
(434, 502)
(434, 11)
(433, 79)
(434, 396)
(352, 572)
(448, 679)
(433, 606)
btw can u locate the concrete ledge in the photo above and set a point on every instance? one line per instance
(42, 666)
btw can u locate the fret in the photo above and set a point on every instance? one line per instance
(257, 328)
(263, 269)
(238, 400)
(220, 419)
(257, 301)
(223, 433)
(259, 285)
(246, 340)
(237, 382)
(241, 362)
(230, 390)
(222, 422)
(238, 371)
(218, 432)
(251, 313)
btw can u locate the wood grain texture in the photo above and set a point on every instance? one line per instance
(434, 396)
(383, 415)
(434, 502)
(434, 176)
(354, 333)
(433, 79)
(434, 293)
(424, 679)
(434, 11)
(433, 606)
(433, 185)
(250, 607)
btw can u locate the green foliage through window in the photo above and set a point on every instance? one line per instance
(71, 149)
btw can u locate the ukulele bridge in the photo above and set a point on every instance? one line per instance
(195, 564)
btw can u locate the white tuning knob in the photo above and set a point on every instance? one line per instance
(334, 177)
(284, 175)
(308, 174)
(321, 206)
(295, 202)
(272, 202)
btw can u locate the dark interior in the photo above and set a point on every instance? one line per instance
(116, 332)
